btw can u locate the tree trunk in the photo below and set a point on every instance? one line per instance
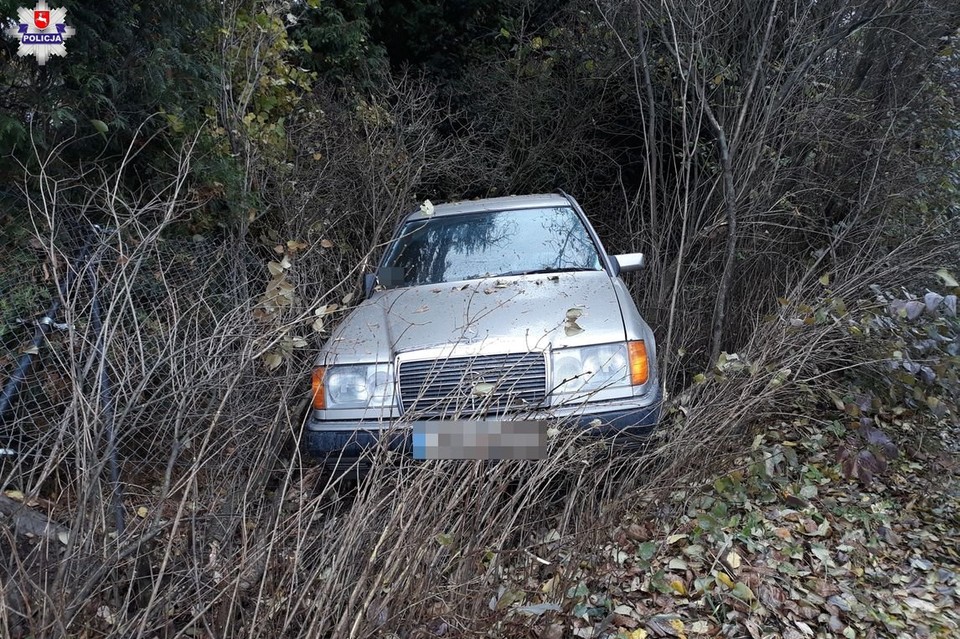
(730, 208)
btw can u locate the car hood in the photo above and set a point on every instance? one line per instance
(495, 315)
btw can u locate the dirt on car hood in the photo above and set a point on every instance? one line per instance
(494, 315)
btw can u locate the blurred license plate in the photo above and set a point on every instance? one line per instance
(476, 439)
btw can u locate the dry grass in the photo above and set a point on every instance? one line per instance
(226, 531)
(228, 534)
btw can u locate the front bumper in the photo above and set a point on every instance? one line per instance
(339, 442)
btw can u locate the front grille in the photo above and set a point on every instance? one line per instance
(486, 385)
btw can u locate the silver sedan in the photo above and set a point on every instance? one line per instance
(486, 323)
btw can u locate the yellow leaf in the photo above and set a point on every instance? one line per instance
(679, 587)
(677, 626)
(142, 512)
(718, 79)
(14, 494)
(700, 627)
(825, 279)
(482, 388)
(948, 278)
(347, 298)
(550, 584)
(725, 579)
(639, 633)
(325, 243)
(733, 559)
(272, 361)
(536, 43)
(572, 328)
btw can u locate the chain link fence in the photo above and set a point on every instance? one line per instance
(156, 302)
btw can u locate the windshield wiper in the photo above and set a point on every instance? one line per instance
(539, 271)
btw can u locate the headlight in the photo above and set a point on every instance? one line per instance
(590, 368)
(356, 386)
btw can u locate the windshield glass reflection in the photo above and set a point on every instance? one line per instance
(475, 246)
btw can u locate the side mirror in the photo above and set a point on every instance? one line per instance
(628, 262)
(369, 281)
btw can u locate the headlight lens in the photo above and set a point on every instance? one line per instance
(358, 386)
(590, 368)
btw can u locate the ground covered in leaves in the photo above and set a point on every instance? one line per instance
(784, 545)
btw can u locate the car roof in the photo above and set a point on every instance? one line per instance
(511, 202)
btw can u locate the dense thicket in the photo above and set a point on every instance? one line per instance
(738, 145)
(789, 168)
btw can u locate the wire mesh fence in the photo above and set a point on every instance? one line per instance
(154, 299)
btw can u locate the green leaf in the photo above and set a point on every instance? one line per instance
(742, 591)
(100, 126)
(580, 590)
(647, 550)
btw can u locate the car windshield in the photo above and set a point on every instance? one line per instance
(488, 244)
